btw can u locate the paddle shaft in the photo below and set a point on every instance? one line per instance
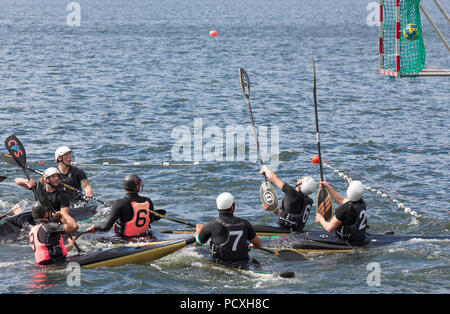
(267, 250)
(245, 84)
(317, 118)
(171, 219)
(255, 133)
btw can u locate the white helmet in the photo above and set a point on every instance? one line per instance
(61, 151)
(225, 201)
(308, 185)
(355, 191)
(50, 171)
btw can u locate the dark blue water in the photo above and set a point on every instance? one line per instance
(141, 83)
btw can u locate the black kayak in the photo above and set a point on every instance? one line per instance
(320, 241)
(14, 225)
(324, 242)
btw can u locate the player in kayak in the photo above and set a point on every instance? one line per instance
(229, 235)
(296, 205)
(48, 188)
(45, 237)
(72, 176)
(130, 215)
(350, 218)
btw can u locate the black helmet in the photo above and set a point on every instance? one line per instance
(131, 182)
(38, 210)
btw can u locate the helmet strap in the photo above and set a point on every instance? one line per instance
(49, 182)
(62, 160)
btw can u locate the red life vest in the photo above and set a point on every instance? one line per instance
(41, 250)
(140, 221)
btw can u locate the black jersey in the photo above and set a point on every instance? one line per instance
(73, 178)
(294, 210)
(229, 237)
(354, 220)
(58, 198)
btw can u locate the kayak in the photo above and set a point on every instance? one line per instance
(320, 241)
(16, 224)
(252, 267)
(82, 212)
(122, 255)
(324, 242)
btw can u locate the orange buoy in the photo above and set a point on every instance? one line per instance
(315, 159)
(213, 33)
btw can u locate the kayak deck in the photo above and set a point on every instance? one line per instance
(324, 242)
(122, 255)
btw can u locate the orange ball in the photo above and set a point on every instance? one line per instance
(316, 159)
(213, 33)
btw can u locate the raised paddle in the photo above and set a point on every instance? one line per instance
(324, 202)
(17, 151)
(266, 191)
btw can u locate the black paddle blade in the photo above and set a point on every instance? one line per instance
(290, 255)
(2, 178)
(245, 82)
(16, 149)
(324, 203)
(286, 274)
(268, 195)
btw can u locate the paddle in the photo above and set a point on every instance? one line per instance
(266, 191)
(2, 178)
(285, 254)
(15, 210)
(324, 202)
(17, 151)
(10, 160)
(171, 219)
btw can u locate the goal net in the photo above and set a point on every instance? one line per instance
(399, 55)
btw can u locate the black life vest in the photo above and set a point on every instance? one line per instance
(296, 217)
(357, 230)
(235, 247)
